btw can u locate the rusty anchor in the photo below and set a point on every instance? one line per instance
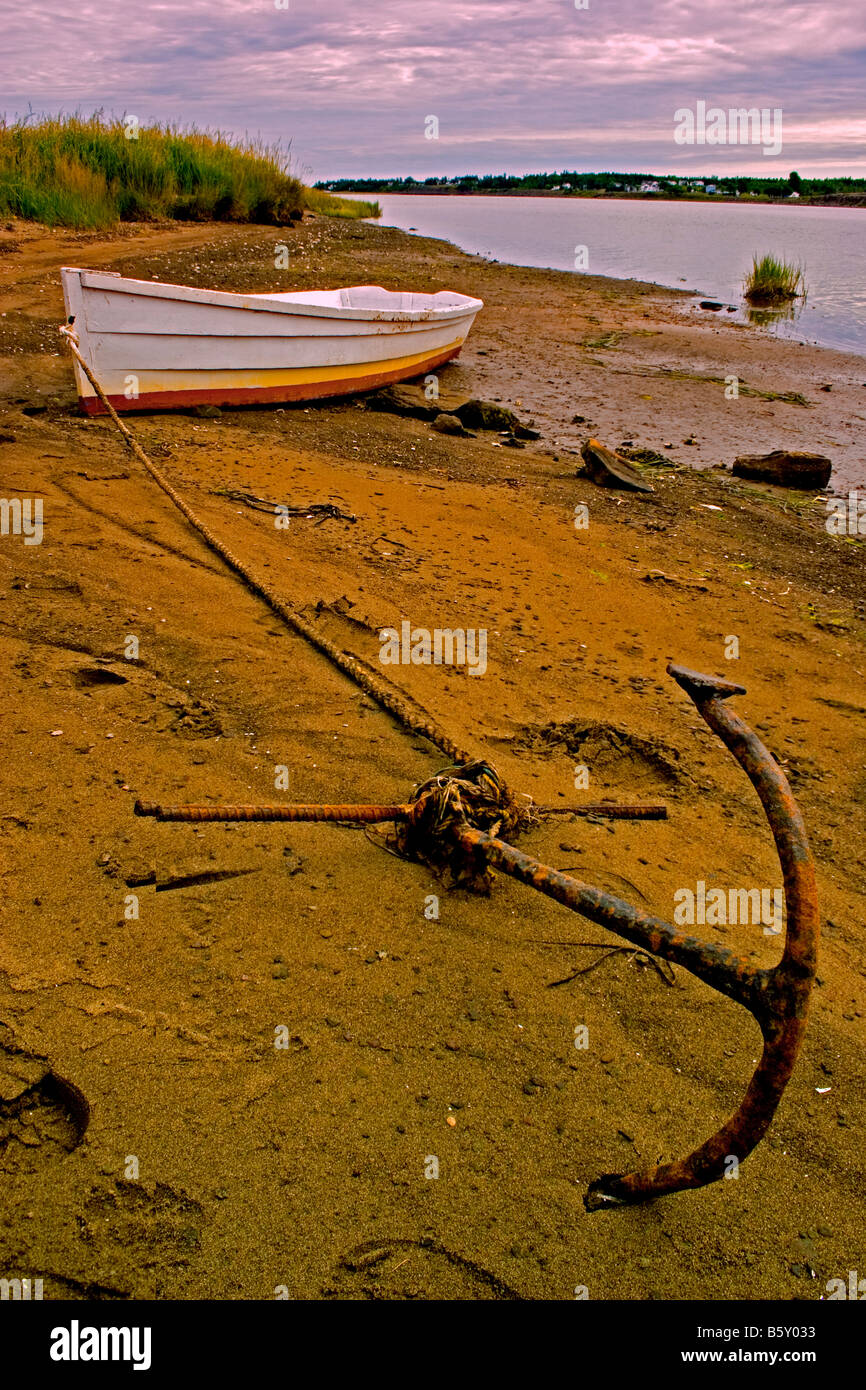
(778, 998)
(447, 805)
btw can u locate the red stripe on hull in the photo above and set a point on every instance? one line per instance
(263, 395)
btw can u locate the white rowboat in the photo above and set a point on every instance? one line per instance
(155, 346)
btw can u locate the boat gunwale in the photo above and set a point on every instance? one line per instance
(92, 280)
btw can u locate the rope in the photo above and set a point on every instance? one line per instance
(415, 720)
(469, 792)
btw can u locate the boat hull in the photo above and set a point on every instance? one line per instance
(163, 347)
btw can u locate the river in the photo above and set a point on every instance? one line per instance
(702, 246)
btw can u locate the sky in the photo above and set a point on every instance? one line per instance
(349, 86)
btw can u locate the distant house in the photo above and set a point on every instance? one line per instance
(793, 194)
(649, 186)
(710, 188)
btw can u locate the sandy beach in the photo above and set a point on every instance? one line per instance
(217, 1165)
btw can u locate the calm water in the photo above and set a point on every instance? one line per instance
(705, 247)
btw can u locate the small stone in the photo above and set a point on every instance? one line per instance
(449, 424)
(608, 469)
(140, 876)
(486, 415)
(404, 400)
(293, 862)
(280, 972)
(785, 468)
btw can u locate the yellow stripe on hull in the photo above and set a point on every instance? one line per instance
(267, 379)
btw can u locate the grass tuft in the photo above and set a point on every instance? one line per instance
(771, 281)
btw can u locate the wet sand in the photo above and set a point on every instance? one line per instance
(218, 1165)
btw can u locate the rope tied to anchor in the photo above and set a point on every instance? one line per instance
(459, 798)
(405, 710)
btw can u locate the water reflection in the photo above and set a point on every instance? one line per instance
(768, 314)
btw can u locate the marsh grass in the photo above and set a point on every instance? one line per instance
(771, 281)
(330, 205)
(91, 172)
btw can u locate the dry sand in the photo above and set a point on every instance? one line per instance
(257, 1167)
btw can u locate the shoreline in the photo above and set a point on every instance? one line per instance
(262, 1167)
(768, 369)
(856, 201)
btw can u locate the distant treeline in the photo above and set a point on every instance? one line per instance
(665, 185)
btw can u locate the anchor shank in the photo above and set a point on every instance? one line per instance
(715, 965)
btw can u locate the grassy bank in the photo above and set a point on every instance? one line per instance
(330, 205)
(93, 173)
